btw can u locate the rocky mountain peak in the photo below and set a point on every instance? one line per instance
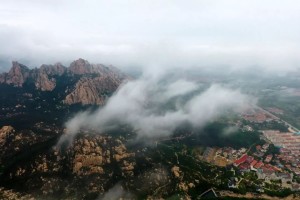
(80, 66)
(18, 74)
(93, 90)
(56, 69)
(18, 66)
(44, 83)
(92, 84)
(4, 131)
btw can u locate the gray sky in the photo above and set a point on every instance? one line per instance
(138, 33)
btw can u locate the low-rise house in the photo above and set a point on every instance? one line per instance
(249, 159)
(258, 165)
(297, 171)
(266, 174)
(240, 160)
(295, 187)
(285, 177)
(258, 147)
(245, 167)
(243, 150)
(268, 158)
(253, 163)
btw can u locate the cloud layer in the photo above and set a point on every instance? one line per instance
(155, 105)
(115, 193)
(233, 34)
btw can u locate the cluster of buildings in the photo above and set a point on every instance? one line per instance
(258, 162)
(266, 171)
(281, 168)
(257, 116)
(222, 156)
(248, 163)
(261, 150)
(275, 110)
(289, 144)
(289, 141)
(238, 157)
(269, 175)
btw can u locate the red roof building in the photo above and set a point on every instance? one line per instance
(250, 159)
(240, 160)
(258, 165)
(253, 163)
(244, 166)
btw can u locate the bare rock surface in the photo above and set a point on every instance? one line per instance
(81, 82)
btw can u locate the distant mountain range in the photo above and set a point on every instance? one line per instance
(80, 83)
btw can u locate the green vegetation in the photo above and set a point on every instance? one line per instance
(272, 150)
(267, 125)
(212, 135)
(289, 104)
(279, 193)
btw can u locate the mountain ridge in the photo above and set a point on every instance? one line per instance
(82, 82)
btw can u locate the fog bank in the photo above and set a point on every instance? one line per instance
(155, 105)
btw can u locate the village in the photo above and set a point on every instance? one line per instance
(270, 165)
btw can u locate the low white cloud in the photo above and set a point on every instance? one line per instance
(153, 107)
(115, 193)
(230, 130)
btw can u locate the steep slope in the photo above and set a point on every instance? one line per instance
(17, 75)
(80, 83)
(96, 82)
(93, 90)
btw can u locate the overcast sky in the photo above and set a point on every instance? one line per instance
(165, 33)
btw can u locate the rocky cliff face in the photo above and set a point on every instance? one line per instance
(82, 82)
(97, 82)
(52, 70)
(44, 83)
(4, 133)
(17, 75)
(44, 76)
(20, 74)
(81, 67)
(93, 90)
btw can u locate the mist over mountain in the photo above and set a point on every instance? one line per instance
(203, 102)
(101, 133)
(155, 105)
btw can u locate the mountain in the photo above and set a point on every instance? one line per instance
(80, 83)
(114, 163)
(16, 76)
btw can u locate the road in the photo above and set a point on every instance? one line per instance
(275, 117)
